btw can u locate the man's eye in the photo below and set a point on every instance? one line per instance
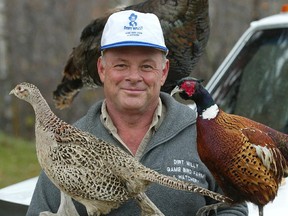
(147, 68)
(120, 66)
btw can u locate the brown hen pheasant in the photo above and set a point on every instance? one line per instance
(93, 172)
(185, 25)
(247, 159)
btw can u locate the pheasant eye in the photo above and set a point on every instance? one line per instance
(188, 87)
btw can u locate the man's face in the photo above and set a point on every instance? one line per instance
(132, 77)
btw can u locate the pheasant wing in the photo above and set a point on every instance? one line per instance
(267, 151)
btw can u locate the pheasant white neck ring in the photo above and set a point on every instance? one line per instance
(211, 112)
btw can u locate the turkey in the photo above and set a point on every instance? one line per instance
(185, 25)
(96, 173)
(247, 159)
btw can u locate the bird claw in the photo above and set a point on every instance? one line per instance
(47, 213)
(205, 210)
(148, 208)
(66, 208)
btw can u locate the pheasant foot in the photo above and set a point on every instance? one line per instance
(260, 209)
(147, 206)
(66, 208)
(204, 211)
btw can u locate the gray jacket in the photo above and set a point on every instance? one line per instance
(172, 151)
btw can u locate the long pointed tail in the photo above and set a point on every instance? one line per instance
(177, 184)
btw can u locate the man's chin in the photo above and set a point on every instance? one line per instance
(133, 104)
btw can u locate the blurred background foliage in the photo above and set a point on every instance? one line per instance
(17, 160)
(36, 38)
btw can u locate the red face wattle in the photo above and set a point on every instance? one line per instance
(189, 87)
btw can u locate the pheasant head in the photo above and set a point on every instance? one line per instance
(31, 94)
(190, 88)
(186, 87)
(26, 91)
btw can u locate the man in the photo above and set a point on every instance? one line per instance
(152, 126)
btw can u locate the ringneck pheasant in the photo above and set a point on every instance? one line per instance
(247, 158)
(185, 27)
(93, 172)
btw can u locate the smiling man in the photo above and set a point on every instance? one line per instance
(132, 78)
(137, 117)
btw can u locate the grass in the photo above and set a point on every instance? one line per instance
(18, 160)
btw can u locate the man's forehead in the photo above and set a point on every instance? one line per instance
(144, 52)
(133, 48)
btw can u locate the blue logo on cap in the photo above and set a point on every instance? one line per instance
(132, 19)
(133, 25)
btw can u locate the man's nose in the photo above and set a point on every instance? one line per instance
(134, 74)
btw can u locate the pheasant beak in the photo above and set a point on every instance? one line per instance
(12, 92)
(16, 90)
(176, 90)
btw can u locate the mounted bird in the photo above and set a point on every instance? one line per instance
(185, 25)
(97, 174)
(247, 159)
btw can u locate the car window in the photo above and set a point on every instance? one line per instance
(256, 83)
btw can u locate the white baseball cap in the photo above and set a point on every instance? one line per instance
(132, 28)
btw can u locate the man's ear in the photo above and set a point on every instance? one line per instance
(100, 67)
(165, 71)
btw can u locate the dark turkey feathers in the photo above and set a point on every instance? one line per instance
(185, 25)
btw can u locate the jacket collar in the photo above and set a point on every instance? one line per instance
(178, 117)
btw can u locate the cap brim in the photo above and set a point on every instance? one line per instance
(134, 43)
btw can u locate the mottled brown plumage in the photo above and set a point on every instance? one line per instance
(247, 159)
(95, 173)
(185, 25)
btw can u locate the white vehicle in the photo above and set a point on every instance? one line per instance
(252, 81)
(15, 199)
